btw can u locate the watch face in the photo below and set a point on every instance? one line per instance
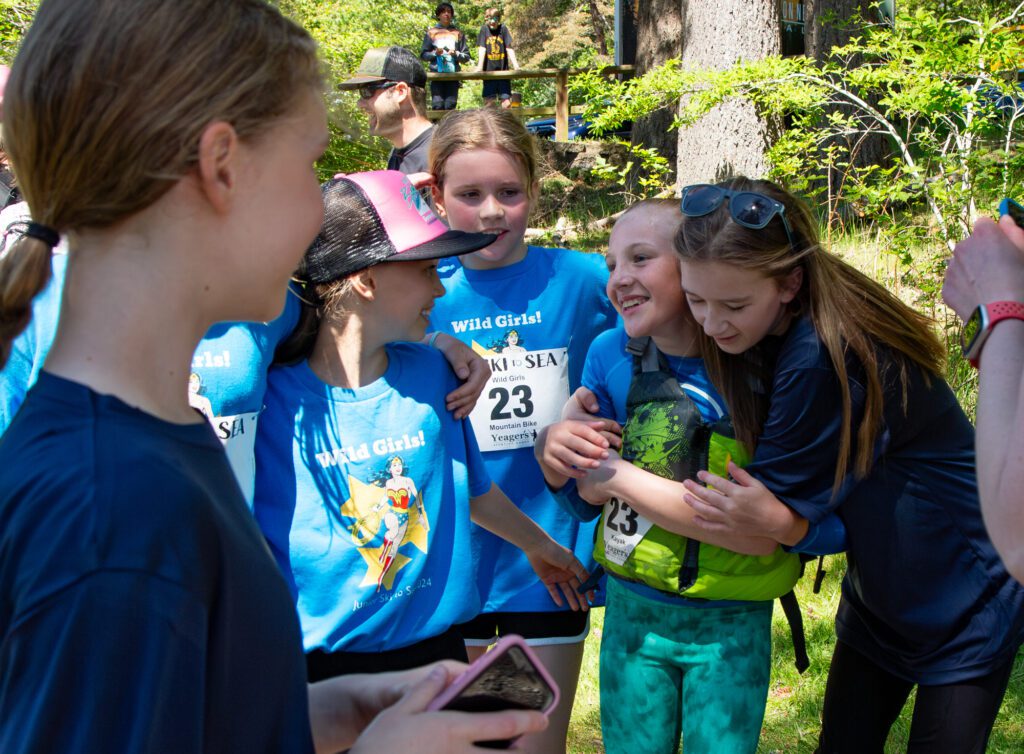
(970, 338)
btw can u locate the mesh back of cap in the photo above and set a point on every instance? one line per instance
(352, 237)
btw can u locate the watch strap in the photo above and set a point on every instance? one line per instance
(998, 311)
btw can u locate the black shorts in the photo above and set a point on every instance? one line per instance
(500, 88)
(539, 629)
(447, 646)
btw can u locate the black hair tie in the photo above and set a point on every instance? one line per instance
(43, 233)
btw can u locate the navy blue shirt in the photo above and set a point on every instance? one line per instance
(925, 594)
(140, 610)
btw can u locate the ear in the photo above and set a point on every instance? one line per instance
(438, 194)
(790, 285)
(401, 92)
(218, 164)
(364, 284)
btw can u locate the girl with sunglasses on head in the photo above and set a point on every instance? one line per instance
(686, 645)
(532, 312)
(849, 413)
(140, 609)
(445, 50)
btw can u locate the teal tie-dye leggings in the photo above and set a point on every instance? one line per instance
(669, 670)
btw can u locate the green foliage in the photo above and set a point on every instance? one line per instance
(928, 87)
(15, 18)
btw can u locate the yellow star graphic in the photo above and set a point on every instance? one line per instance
(367, 505)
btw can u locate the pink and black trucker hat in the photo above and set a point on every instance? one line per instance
(388, 64)
(379, 217)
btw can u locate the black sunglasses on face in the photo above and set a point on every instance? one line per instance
(747, 208)
(368, 90)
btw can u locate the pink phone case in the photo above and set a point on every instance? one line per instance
(475, 670)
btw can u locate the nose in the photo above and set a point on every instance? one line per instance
(490, 207)
(438, 287)
(714, 325)
(620, 277)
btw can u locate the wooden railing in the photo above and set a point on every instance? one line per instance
(561, 76)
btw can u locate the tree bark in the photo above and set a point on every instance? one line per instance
(732, 139)
(659, 25)
(597, 21)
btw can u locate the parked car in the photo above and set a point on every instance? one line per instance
(579, 128)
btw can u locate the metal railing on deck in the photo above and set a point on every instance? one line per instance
(561, 76)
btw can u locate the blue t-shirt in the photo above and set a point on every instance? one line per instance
(227, 383)
(139, 608)
(363, 495)
(533, 321)
(925, 594)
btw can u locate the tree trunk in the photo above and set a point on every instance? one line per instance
(732, 139)
(597, 21)
(659, 25)
(829, 24)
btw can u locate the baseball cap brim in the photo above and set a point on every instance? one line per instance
(454, 243)
(357, 81)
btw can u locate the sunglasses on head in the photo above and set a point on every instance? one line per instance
(747, 208)
(368, 90)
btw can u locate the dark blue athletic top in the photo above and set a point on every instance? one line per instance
(925, 594)
(140, 610)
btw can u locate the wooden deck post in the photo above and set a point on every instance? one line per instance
(562, 105)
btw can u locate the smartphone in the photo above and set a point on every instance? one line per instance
(509, 676)
(1014, 210)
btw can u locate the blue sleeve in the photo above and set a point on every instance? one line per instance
(569, 500)
(68, 684)
(15, 379)
(826, 537)
(798, 449)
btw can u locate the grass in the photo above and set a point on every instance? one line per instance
(793, 714)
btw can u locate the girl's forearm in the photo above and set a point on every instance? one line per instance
(1000, 442)
(499, 515)
(660, 500)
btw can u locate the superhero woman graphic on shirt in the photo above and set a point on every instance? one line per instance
(386, 520)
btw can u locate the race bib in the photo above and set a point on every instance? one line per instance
(526, 392)
(238, 434)
(623, 530)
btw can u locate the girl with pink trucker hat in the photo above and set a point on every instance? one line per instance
(365, 484)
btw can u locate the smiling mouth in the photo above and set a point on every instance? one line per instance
(631, 303)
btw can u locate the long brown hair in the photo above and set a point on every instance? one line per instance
(851, 313)
(105, 106)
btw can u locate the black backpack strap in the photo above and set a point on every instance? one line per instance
(819, 574)
(791, 608)
(688, 568)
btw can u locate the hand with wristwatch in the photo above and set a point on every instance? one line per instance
(985, 278)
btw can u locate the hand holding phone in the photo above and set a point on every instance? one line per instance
(509, 676)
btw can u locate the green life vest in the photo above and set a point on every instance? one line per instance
(666, 435)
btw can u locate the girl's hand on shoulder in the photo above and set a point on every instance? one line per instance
(572, 447)
(470, 367)
(405, 725)
(743, 506)
(582, 405)
(560, 572)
